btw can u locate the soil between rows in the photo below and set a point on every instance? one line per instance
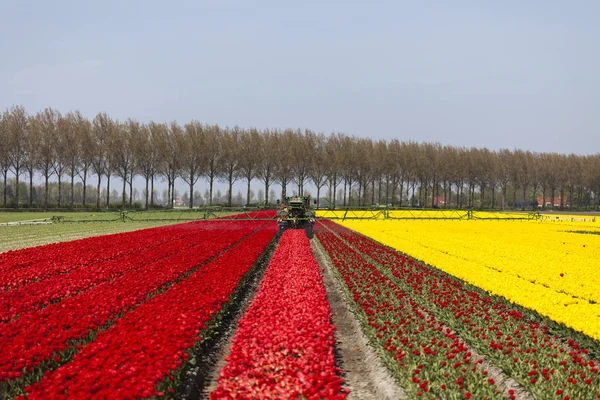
(362, 370)
(210, 358)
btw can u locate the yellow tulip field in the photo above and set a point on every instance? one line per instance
(551, 265)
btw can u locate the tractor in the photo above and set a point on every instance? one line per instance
(296, 213)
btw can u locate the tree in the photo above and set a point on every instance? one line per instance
(4, 155)
(268, 161)
(151, 166)
(32, 152)
(102, 131)
(62, 149)
(333, 158)
(251, 150)
(191, 142)
(18, 126)
(47, 124)
(121, 152)
(144, 155)
(302, 150)
(169, 158)
(283, 170)
(319, 168)
(72, 152)
(504, 173)
(229, 159)
(85, 149)
(212, 154)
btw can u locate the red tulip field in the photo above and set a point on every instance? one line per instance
(136, 315)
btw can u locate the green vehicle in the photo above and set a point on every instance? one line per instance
(296, 213)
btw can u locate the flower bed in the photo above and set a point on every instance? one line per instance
(19, 268)
(71, 280)
(283, 347)
(142, 348)
(47, 337)
(412, 310)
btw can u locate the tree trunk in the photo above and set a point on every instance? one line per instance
(124, 200)
(131, 189)
(169, 197)
(191, 193)
(107, 190)
(31, 188)
(72, 188)
(152, 191)
(173, 192)
(84, 179)
(387, 191)
(230, 194)
(59, 190)
(373, 191)
(267, 191)
(17, 188)
(97, 191)
(334, 189)
(147, 187)
(318, 195)
(248, 193)
(283, 189)
(571, 195)
(5, 190)
(345, 188)
(211, 180)
(481, 197)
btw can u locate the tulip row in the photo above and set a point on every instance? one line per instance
(78, 278)
(150, 343)
(283, 347)
(41, 335)
(18, 268)
(544, 266)
(428, 359)
(508, 336)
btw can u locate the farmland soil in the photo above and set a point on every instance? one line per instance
(363, 372)
(210, 359)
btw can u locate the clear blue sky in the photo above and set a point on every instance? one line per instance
(497, 74)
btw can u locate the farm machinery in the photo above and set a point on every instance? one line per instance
(296, 213)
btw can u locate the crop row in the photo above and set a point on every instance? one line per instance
(547, 267)
(49, 334)
(426, 322)
(21, 267)
(148, 344)
(76, 278)
(283, 347)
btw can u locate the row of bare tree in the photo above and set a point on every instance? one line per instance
(355, 171)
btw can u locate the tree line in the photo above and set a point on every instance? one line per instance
(345, 170)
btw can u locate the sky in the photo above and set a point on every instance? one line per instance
(496, 74)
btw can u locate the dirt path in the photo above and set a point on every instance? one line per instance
(363, 372)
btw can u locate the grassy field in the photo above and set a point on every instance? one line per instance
(14, 235)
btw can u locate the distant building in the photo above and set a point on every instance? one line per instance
(439, 201)
(178, 202)
(548, 202)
